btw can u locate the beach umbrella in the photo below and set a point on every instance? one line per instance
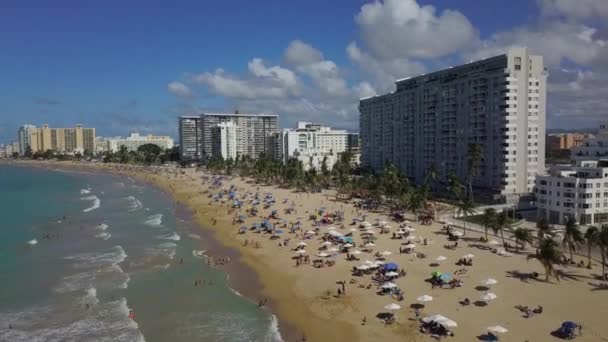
(369, 263)
(323, 255)
(445, 277)
(489, 296)
(348, 245)
(390, 266)
(327, 243)
(411, 246)
(363, 267)
(434, 318)
(489, 282)
(494, 242)
(300, 251)
(497, 329)
(333, 249)
(392, 274)
(392, 306)
(386, 253)
(356, 252)
(310, 232)
(409, 229)
(410, 238)
(448, 323)
(389, 285)
(441, 258)
(400, 232)
(301, 243)
(424, 298)
(369, 244)
(468, 256)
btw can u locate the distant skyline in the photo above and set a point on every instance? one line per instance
(123, 66)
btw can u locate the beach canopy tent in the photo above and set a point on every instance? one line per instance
(392, 307)
(489, 282)
(424, 298)
(497, 329)
(390, 266)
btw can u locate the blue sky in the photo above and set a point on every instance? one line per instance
(127, 65)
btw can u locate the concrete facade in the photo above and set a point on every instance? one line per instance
(498, 103)
(223, 141)
(594, 147)
(190, 137)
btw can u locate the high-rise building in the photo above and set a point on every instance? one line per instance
(23, 136)
(223, 140)
(134, 141)
(190, 137)
(593, 147)
(576, 192)
(431, 120)
(253, 132)
(310, 143)
(63, 140)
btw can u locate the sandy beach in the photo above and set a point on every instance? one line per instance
(306, 300)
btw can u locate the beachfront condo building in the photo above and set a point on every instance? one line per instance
(23, 137)
(577, 192)
(134, 141)
(253, 132)
(63, 140)
(593, 147)
(497, 103)
(223, 140)
(190, 137)
(310, 143)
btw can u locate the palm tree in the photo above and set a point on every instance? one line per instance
(473, 156)
(543, 230)
(465, 208)
(602, 242)
(501, 223)
(431, 176)
(590, 236)
(573, 238)
(548, 255)
(454, 187)
(488, 220)
(522, 235)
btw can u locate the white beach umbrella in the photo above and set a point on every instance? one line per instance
(310, 232)
(441, 258)
(489, 282)
(409, 229)
(327, 243)
(424, 298)
(356, 252)
(468, 256)
(498, 329)
(333, 249)
(410, 238)
(363, 267)
(386, 253)
(400, 232)
(301, 251)
(489, 296)
(369, 262)
(434, 318)
(391, 274)
(448, 323)
(389, 285)
(323, 255)
(301, 243)
(392, 307)
(369, 244)
(378, 263)
(347, 245)
(411, 245)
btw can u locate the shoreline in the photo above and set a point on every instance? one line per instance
(303, 297)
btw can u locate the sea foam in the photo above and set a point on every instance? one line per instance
(85, 191)
(32, 242)
(134, 203)
(96, 203)
(155, 220)
(174, 237)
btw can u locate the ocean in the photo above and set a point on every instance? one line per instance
(81, 252)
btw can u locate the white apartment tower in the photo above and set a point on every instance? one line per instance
(498, 103)
(223, 141)
(253, 132)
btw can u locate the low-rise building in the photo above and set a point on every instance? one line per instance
(593, 147)
(135, 140)
(6, 151)
(574, 192)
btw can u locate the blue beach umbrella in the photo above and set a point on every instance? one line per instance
(445, 277)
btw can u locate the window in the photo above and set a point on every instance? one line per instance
(517, 63)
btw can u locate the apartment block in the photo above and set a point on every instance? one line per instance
(190, 137)
(223, 140)
(498, 103)
(64, 140)
(593, 147)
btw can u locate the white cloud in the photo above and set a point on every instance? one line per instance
(574, 9)
(299, 53)
(179, 89)
(276, 74)
(403, 29)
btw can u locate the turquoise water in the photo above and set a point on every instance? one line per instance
(79, 251)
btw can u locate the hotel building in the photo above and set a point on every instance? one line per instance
(63, 140)
(498, 103)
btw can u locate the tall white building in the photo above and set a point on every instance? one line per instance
(223, 140)
(190, 137)
(498, 103)
(253, 132)
(593, 148)
(311, 143)
(23, 136)
(135, 140)
(578, 192)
